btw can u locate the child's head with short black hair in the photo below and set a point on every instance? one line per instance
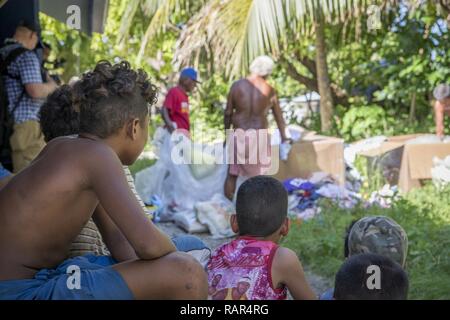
(114, 101)
(261, 206)
(371, 276)
(57, 115)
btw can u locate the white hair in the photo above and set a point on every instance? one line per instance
(262, 66)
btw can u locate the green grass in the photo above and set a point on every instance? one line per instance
(423, 213)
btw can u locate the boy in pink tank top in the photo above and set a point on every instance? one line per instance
(253, 266)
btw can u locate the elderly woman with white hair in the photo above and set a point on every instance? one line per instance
(249, 101)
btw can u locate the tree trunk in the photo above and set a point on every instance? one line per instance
(310, 82)
(412, 108)
(323, 78)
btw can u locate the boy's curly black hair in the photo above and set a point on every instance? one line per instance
(110, 95)
(57, 116)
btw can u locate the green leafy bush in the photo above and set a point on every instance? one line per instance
(364, 121)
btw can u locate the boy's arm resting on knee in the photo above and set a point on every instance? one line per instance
(117, 244)
(107, 178)
(287, 270)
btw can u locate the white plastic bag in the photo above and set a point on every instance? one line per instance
(183, 189)
(181, 184)
(150, 181)
(187, 221)
(216, 215)
(285, 148)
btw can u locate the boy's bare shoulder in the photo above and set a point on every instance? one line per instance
(73, 145)
(79, 150)
(285, 253)
(284, 259)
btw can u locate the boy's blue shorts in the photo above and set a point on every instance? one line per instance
(3, 172)
(97, 280)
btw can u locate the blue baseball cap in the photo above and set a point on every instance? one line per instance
(190, 73)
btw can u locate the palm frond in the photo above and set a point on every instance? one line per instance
(161, 11)
(239, 30)
(127, 18)
(236, 30)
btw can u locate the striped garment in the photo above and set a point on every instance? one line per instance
(90, 241)
(130, 180)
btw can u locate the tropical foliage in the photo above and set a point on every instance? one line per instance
(394, 67)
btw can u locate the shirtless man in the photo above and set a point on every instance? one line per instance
(46, 205)
(441, 107)
(248, 105)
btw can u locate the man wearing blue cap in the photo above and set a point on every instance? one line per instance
(175, 111)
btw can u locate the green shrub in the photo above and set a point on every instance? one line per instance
(364, 121)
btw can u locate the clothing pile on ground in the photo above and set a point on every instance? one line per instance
(441, 172)
(304, 195)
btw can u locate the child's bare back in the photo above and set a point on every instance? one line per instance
(46, 205)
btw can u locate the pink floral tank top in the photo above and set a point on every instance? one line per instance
(241, 270)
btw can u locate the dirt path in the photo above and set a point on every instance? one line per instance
(318, 283)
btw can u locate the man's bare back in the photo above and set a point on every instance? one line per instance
(251, 99)
(38, 217)
(248, 106)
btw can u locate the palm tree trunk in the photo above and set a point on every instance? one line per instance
(323, 78)
(412, 108)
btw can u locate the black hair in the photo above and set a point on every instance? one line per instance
(261, 206)
(110, 95)
(352, 280)
(57, 115)
(347, 235)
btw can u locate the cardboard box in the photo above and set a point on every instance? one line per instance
(311, 154)
(415, 161)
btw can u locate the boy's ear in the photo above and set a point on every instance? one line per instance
(285, 227)
(234, 224)
(132, 128)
